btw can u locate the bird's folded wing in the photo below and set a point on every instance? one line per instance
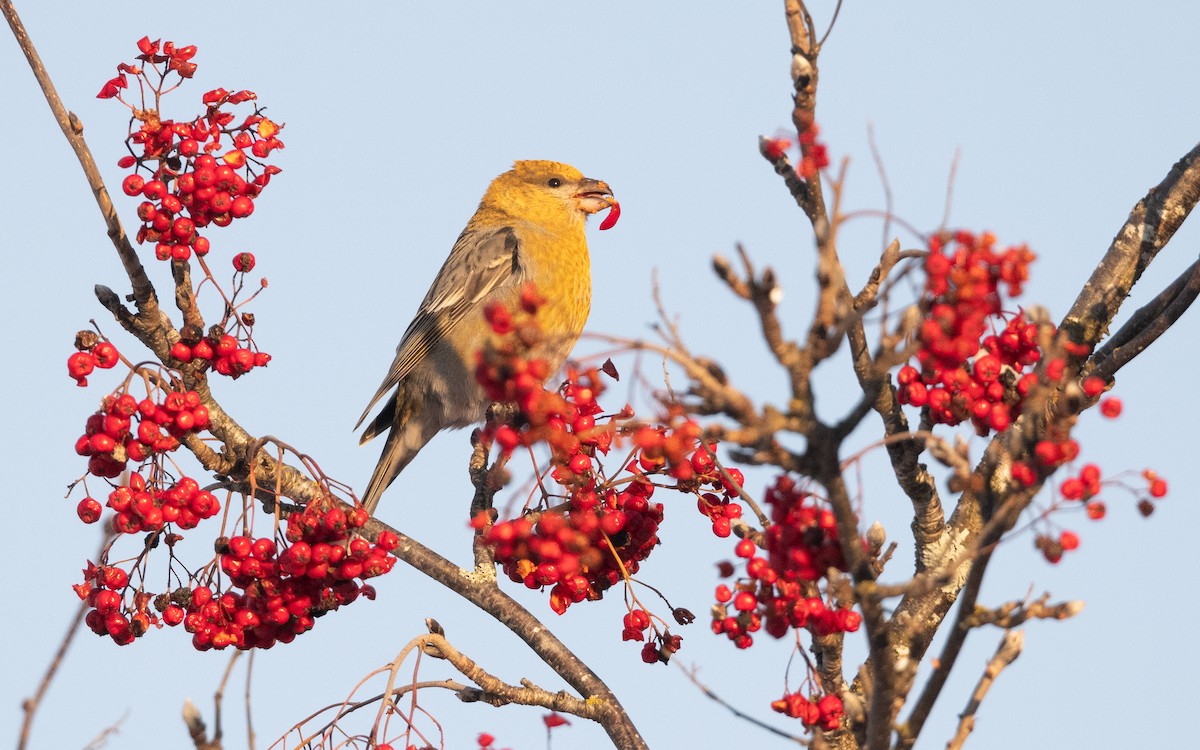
(480, 263)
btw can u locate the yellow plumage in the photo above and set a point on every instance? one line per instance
(529, 228)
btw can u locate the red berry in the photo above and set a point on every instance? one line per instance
(614, 213)
(133, 184)
(736, 476)
(154, 190)
(241, 207)
(243, 262)
(745, 601)
(106, 355)
(181, 352)
(80, 365)
(88, 510)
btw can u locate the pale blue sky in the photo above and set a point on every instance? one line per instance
(399, 114)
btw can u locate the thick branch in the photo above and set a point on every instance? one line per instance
(1150, 226)
(152, 326)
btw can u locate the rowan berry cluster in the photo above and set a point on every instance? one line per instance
(199, 172)
(141, 506)
(606, 525)
(780, 590)
(966, 372)
(824, 711)
(110, 439)
(256, 591)
(275, 587)
(220, 351)
(1084, 487)
(814, 156)
(92, 352)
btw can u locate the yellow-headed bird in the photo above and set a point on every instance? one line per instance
(529, 228)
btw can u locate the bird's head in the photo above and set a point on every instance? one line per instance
(548, 190)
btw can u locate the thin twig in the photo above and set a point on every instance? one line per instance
(1006, 653)
(30, 705)
(692, 675)
(249, 713)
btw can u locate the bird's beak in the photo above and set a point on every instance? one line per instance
(593, 195)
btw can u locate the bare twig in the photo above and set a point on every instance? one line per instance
(1006, 653)
(249, 713)
(1012, 614)
(693, 677)
(196, 728)
(30, 705)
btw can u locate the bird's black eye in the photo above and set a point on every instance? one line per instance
(554, 182)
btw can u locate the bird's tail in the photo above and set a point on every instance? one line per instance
(408, 435)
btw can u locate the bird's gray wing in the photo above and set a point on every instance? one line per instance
(480, 263)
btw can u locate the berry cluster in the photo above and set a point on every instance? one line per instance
(257, 591)
(194, 179)
(1084, 487)
(814, 156)
(1053, 548)
(319, 570)
(510, 371)
(721, 510)
(581, 552)
(965, 372)
(273, 595)
(110, 440)
(92, 353)
(110, 614)
(802, 545)
(825, 711)
(140, 506)
(220, 351)
(605, 526)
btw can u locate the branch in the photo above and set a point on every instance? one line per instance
(1006, 653)
(485, 595)
(764, 293)
(152, 326)
(1147, 324)
(30, 705)
(143, 290)
(990, 507)
(1150, 226)
(496, 692)
(695, 680)
(196, 728)
(1012, 614)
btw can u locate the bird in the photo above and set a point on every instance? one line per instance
(529, 227)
